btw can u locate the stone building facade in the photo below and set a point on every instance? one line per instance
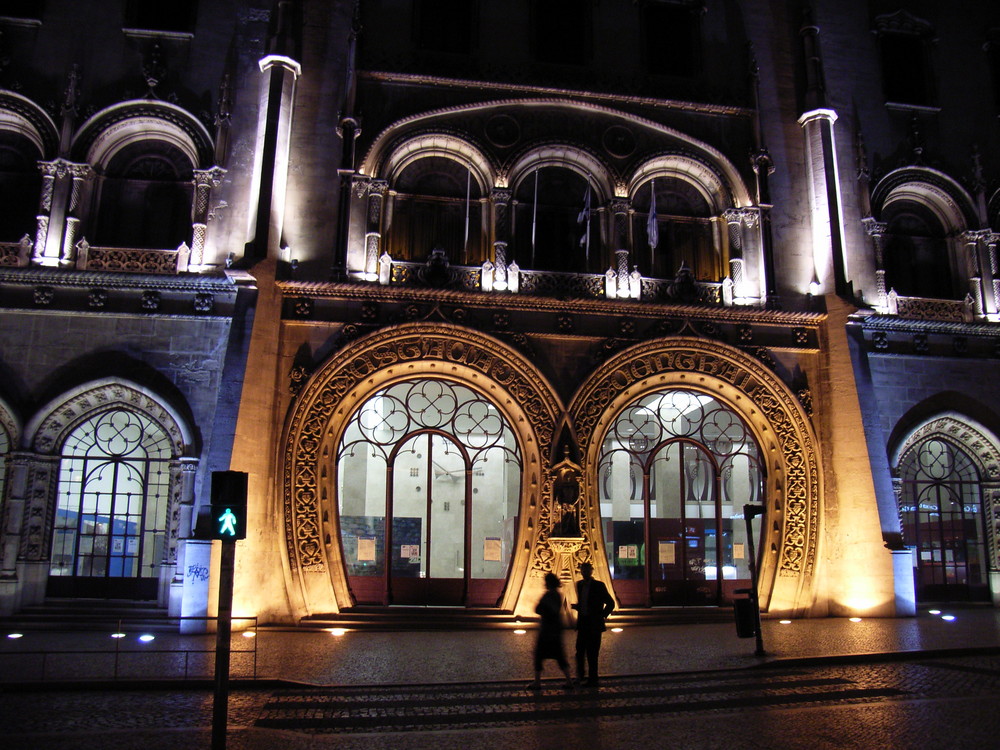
(478, 291)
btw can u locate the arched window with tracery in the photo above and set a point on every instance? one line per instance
(675, 470)
(428, 485)
(941, 509)
(551, 220)
(685, 229)
(111, 521)
(435, 202)
(145, 197)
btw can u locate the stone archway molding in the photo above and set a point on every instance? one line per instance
(314, 569)
(791, 526)
(46, 432)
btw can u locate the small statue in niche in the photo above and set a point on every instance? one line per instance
(565, 494)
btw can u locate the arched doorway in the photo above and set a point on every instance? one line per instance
(942, 514)
(429, 486)
(675, 469)
(111, 524)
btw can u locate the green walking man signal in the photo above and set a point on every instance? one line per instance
(229, 505)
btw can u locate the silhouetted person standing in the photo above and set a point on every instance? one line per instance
(593, 605)
(550, 609)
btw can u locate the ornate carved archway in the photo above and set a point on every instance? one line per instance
(315, 570)
(781, 427)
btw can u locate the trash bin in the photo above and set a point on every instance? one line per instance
(746, 617)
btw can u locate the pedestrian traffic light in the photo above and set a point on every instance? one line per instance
(229, 505)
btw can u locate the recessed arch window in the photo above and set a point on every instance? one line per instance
(675, 469)
(145, 198)
(429, 484)
(20, 186)
(686, 232)
(110, 530)
(941, 509)
(435, 203)
(915, 252)
(551, 220)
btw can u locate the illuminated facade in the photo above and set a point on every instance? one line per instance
(479, 291)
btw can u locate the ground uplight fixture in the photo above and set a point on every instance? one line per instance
(934, 611)
(146, 637)
(784, 622)
(337, 631)
(520, 631)
(855, 619)
(949, 618)
(15, 636)
(117, 635)
(249, 634)
(616, 630)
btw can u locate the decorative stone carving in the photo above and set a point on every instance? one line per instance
(325, 402)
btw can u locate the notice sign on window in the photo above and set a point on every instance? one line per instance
(629, 553)
(366, 549)
(667, 551)
(738, 553)
(411, 551)
(491, 549)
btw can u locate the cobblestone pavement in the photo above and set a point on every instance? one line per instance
(906, 704)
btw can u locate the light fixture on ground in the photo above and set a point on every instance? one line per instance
(147, 637)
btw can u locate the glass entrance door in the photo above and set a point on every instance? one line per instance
(428, 522)
(440, 462)
(677, 468)
(942, 514)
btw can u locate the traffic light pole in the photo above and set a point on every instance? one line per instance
(220, 707)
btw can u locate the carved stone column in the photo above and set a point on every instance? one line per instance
(33, 493)
(13, 514)
(80, 174)
(976, 291)
(205, 181)
(991, 255)
(500, 203)
(373, 232)
(734, 223)
(180, 526)
(876, 230)
(619, 218)
(48, 170)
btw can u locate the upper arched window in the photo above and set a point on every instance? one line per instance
(145, 198)
(436, 202)
(684, 231)
(20, 186)
(556, 222)
(916, 256)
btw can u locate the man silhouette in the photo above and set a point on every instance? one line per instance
(593, 605)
